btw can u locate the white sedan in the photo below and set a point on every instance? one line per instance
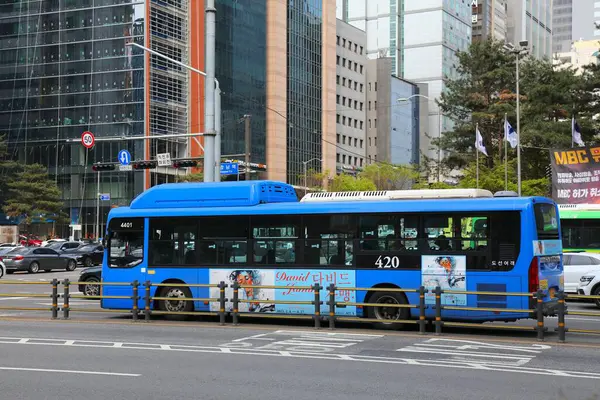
(577, 265)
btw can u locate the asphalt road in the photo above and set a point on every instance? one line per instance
(16, 295)
(68, 360)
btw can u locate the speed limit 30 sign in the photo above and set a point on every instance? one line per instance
(88, 140)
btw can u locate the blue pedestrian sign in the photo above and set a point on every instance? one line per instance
(124, 157)
(229, 168)
(104, 196)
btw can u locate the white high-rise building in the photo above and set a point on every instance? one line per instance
(531, 20)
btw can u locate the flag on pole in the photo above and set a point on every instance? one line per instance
(576, 133)
(479, 142)
(510, 135)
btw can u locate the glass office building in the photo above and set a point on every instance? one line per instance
(65, 69)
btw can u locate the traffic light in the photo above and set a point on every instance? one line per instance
(99, 167)
(144, 165)
(185, 164)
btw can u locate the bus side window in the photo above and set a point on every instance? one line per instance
(505, 239)
(275, 238)
(439, 233)
(223, 240)
(172, 242)
(332, 237)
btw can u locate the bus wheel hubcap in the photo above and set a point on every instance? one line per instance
(174, 305)
(383, 312)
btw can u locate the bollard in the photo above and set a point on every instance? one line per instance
(147, 300)
(317, 288)
(331, 303)
(422, 321)
(66, 299)
(561, 317)
(222, 300)
(135, 297)
(540, 315)
(236, 301)
(54, 298)
(438, 310)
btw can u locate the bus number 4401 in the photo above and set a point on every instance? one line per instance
(387, 262)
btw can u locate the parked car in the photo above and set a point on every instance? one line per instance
(589, 285)
(64, 246)
(29, 241)
(577, 265)
(90, 276)
(2, 269)
(4, 250)
(88, 254)
(48, 242)
(34, 259)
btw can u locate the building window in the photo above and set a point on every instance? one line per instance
(361, 146)
(343, 42)
(361, 162)
(343, 101)
(370, 86)
(356, 104)
(361, 126)
(337, 118)
(361, 69)
(344, 120)
(370, 126)
(343, 81)
(355, 85)
(338, 40)
(355, 67)
(350, 83)
(375, 139)
(344, 139)
(337, 157)
(375, 86)
(337, 79)
(337, 99)
(344, 158)
(369, 142)
(355, 160)
(369, 159)
(375, 126)
(361, 103)
(355, 48)
(337, 60)
(355, 126)
(375, 103)
(355, 139)
(343, 62)
(361, 90)
(337, 138)
(361, 50)
(369, 105)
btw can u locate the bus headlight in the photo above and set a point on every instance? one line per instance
(585, 280)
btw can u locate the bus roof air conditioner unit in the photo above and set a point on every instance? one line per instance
(397, 195)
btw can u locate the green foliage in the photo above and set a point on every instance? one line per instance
(486, 90)
(389, 177)
(34, 195)
(348, 183)
(195, 177)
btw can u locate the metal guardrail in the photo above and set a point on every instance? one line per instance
(331, 318)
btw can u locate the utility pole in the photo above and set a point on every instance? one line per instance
(209, 100)
(248, 140)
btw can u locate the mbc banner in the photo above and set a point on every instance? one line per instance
(576, 175)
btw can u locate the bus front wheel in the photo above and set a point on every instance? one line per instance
(177, 304)
(387, 310)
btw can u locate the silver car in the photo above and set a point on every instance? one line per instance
(34, 259)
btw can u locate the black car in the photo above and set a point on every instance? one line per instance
(88, 255)
(63, 246)
(91, 275)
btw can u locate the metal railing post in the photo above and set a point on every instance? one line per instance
(331, 303)
(438, 310)
(66, 296)
(147, 300)
(317, 288)
(54, 298)
(540, 315)
(561, 317)
(422, 321)
(236, 303)
(222, 300)
(135, 297)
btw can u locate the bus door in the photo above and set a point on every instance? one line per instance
(124, 260)
(547, 251)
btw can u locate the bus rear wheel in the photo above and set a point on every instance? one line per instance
(386, 311)
(176, 305)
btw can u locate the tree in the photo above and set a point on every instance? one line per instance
(195, 177)
(390, 177)
(8, 169)
(33, 195)
(349, 183)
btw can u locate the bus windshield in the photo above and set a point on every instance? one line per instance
(126, 243)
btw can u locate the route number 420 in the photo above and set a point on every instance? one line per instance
(387, 262)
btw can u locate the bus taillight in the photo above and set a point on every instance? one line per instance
(534, 275)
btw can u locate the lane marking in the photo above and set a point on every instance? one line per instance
(69, 371)
(14, 298)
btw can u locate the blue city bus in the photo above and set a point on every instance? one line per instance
(258, 233)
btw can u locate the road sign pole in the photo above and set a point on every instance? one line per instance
(97, 235)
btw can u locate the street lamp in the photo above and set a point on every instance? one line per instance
(305, 172)
(403, 99)
(522, 49)
(212, 148)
